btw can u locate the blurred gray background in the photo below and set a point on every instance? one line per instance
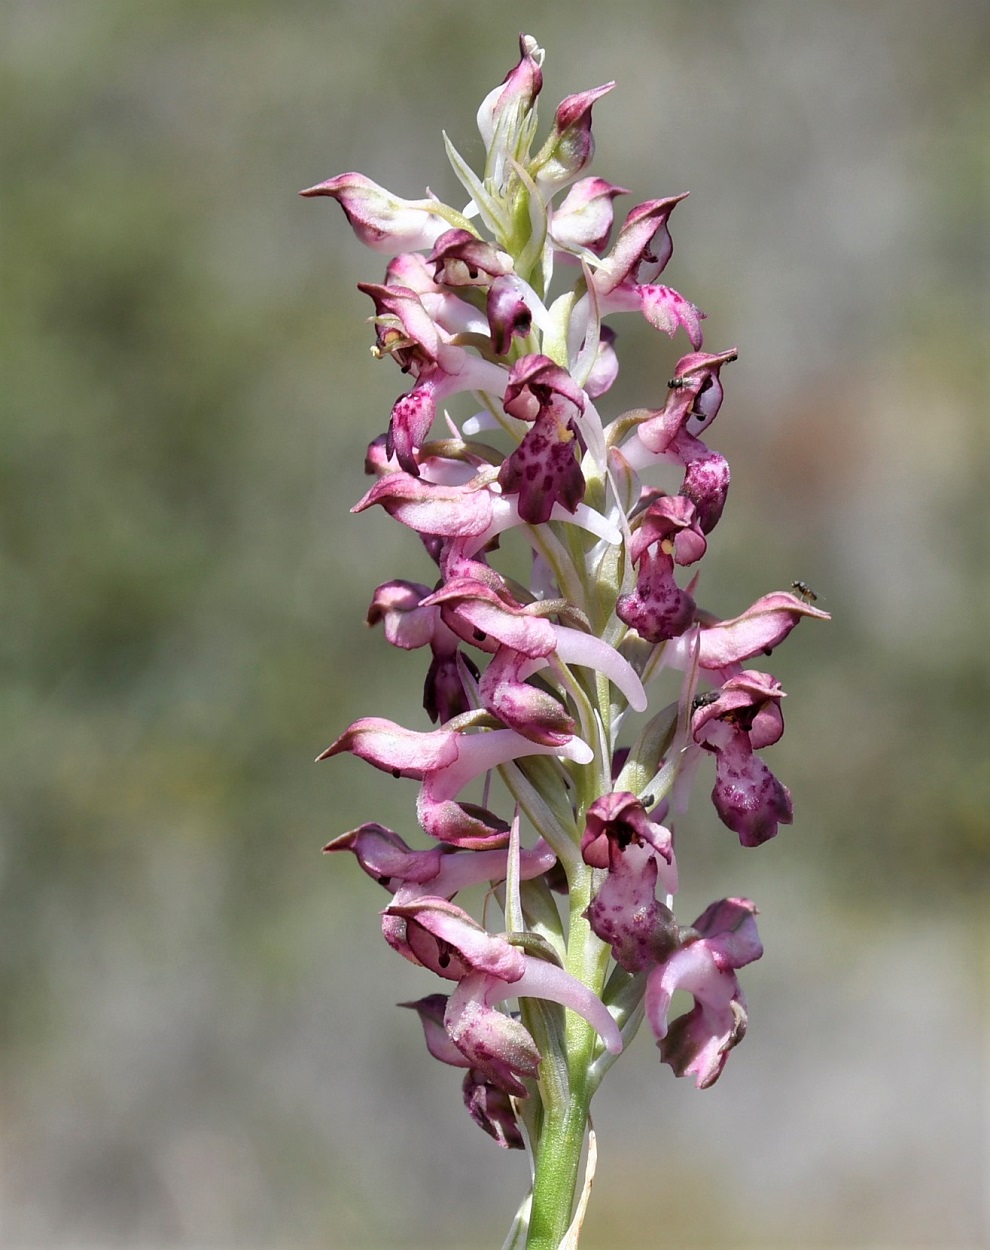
(199, 1042)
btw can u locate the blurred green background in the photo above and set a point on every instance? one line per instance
(199, 1043)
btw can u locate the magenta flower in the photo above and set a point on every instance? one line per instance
(583, 219)
(570, 145)
(694, 397)
(625, 912)
(524, 640)
(489, 1106)
(744, 717)
(440, 871)
(384, 221)
(625, 280)
(760, 629)
(408, 624)
(445, 761)
(544, 469)
(724, 938)
(488, 969)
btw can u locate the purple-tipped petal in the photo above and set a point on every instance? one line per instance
(445, 938)
(761, 627)
(394, 749)
(386, 857)
(516, 94)
(380, 219)
(571, 145)
(428, 508)
(643, 247)
(583, 219)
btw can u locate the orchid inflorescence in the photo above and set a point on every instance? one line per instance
(547, 682)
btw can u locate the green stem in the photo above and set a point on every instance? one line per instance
(558, 1163)
(561, 1142)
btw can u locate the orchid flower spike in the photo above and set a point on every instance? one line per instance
(554, 587)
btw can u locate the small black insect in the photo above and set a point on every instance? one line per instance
(677, 384)
(703, 700)
(804, 591)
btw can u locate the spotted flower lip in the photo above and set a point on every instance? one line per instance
(743, 717)
(663, 307)
(413, 413)
(626, 914)
(747, 796)
(637, 853)
(545, 470)
(658, 609)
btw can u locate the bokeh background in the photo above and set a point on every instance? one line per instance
(199, 1042)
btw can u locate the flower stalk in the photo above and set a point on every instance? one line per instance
(554, 683)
